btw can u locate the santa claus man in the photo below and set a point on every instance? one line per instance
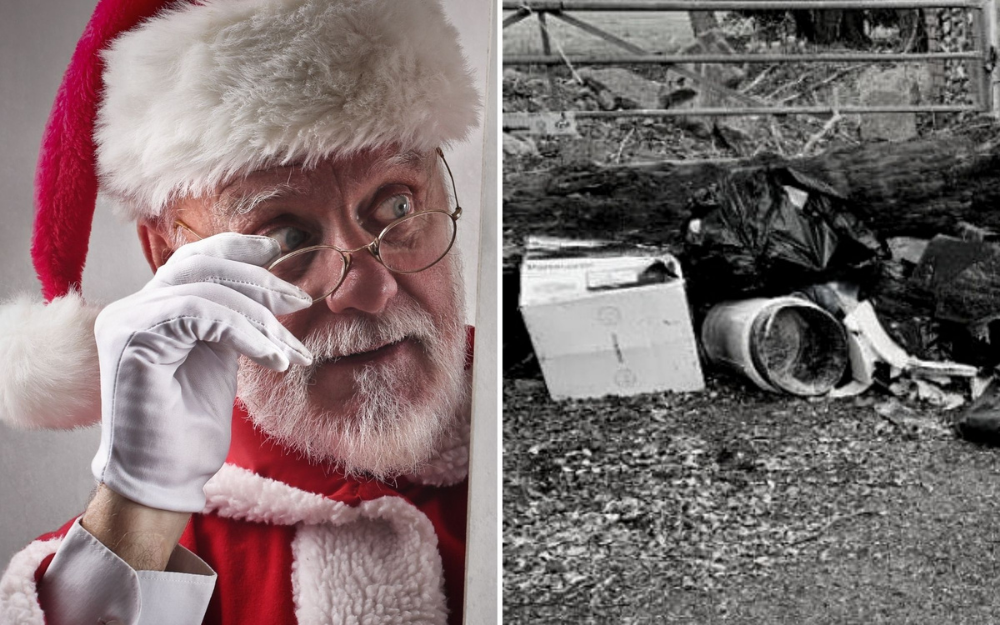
(283, 162)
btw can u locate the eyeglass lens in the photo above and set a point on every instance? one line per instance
(409, 245)
(317, 272)
(416, 243)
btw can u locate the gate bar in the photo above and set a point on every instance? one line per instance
(730, 5)
(782, 110)
(669, 59)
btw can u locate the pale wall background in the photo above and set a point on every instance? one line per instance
(483, 571)
(45, 476)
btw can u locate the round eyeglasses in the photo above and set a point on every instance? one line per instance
(410, 244)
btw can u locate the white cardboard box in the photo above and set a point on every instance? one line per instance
(597, 329)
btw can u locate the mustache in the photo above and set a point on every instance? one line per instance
(364, 333)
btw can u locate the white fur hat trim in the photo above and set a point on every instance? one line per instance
(212, 90)
(49, 377)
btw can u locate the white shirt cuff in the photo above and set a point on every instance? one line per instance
(87, 583)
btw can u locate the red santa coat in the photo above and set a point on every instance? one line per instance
(294, 543)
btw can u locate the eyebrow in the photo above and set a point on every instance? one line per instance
(242, 203)
(380, 167)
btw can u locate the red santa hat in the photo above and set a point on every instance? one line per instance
(163, 100)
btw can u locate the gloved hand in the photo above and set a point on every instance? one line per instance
(168, 357)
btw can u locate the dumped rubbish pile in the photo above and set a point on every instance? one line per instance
(781, 282)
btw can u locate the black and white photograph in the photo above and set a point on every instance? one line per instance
(750, 298)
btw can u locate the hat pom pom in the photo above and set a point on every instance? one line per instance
(49, 373)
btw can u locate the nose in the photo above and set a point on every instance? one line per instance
(367, 287)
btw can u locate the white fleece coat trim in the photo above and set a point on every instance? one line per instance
(375, 563)
(18, 592)
(212, 90)
(49, 377)
(236, 493)
(382, 570)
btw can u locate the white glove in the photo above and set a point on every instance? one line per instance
(168, 357)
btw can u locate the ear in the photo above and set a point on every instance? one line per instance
(155, 245)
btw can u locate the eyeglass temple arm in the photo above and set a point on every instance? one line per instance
(454, 189)
(181, 224)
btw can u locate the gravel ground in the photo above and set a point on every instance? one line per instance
(737, 506)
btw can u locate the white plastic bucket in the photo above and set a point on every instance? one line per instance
(782, 344)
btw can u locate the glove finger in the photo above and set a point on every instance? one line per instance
(217, 314)
(256, 283)
(243, 248)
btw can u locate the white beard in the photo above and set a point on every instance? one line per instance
(399, 422)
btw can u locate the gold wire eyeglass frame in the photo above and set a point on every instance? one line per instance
(373, 247)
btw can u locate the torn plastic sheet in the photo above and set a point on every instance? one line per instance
(869, 343)
(777, 230)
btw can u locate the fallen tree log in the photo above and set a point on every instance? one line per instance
(917, 188)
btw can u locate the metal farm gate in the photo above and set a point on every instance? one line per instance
(981, 59)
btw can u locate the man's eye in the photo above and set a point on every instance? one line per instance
(392, 208)
(289, 238)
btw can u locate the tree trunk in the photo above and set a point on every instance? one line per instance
(916, 188)
(832, 26)
(912, 31)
